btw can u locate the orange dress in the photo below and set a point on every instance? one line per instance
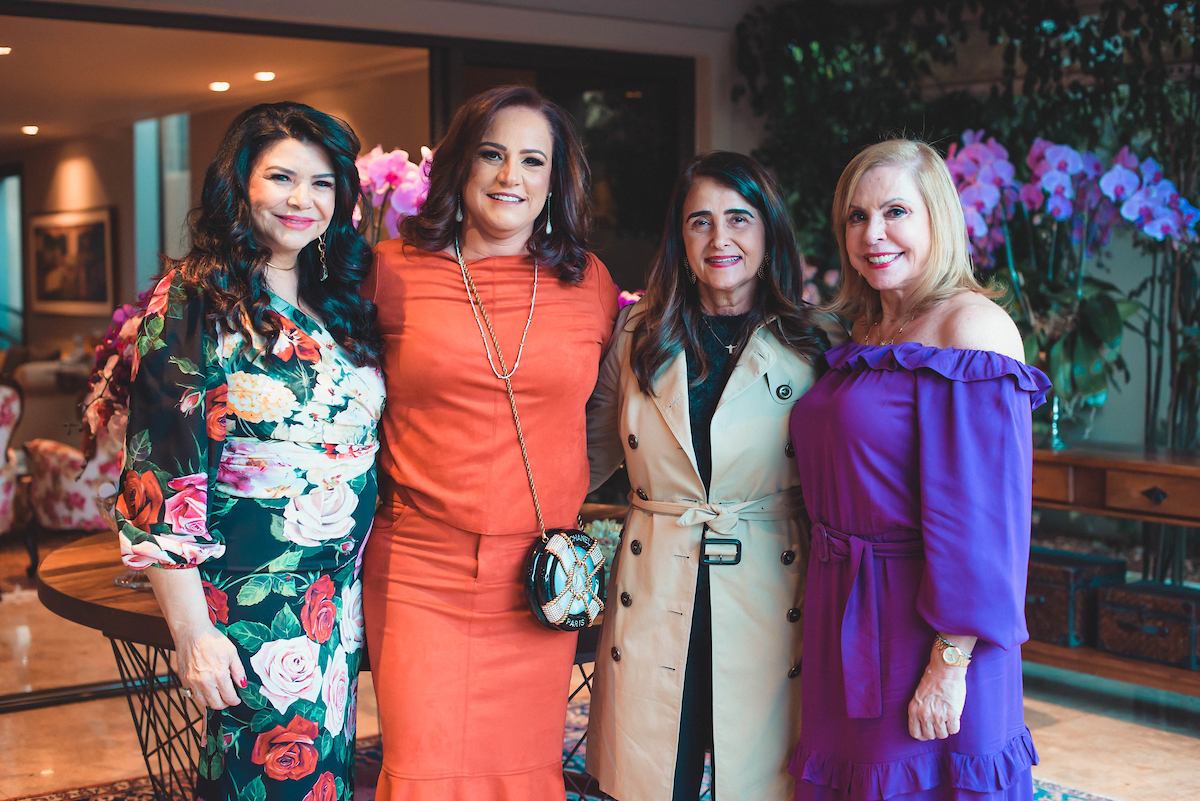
(472, 691)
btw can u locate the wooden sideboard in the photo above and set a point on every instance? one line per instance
(1162, 487)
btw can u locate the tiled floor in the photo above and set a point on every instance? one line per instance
(89, 743)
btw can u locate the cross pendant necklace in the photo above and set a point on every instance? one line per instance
(714, 333)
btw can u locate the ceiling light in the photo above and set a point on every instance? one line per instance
(4, 51)
(264, 76)
(219, 86)
(29, 130)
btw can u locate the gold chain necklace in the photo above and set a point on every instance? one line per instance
(504, 374)
(712, 331)
(892, 340)
(282, 269)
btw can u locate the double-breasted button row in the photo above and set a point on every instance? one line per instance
(616, 654)
(641, 493)
(787, 557)
(632, 442)
(635, 547)
(626, 599)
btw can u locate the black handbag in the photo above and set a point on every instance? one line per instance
(564, 573)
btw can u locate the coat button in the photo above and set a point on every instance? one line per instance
(793, 615)
(784, 391)
(789, 451)
(788, 557)
(793, 673)
(635, 547)
(641, 493)
(626, 599)
(616, 654)
(633, 442)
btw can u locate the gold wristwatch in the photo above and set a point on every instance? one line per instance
(951, 653)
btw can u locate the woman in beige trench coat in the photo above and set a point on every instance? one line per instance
(701, 643)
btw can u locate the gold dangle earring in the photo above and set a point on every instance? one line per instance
(691, 272)
(762, 268)
(321, 250)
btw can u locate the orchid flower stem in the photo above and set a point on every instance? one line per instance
(1053, 251)
(1083, 253)
(1033, 262)
(1022, 302)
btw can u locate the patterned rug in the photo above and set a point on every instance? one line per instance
(370, 756)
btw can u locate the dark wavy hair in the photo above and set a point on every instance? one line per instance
(227, 263)
(670, 318)
(434, 228)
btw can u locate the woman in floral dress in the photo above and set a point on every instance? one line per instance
(249, 469)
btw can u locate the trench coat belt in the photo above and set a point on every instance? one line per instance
(723, 517)
(862, 674)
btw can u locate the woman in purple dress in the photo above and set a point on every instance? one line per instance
(915, 457)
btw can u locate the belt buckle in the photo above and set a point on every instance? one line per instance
(721, 558)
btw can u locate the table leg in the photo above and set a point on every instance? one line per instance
(168, 723)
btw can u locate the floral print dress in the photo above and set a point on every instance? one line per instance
(256, 466)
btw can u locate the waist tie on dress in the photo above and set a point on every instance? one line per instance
(724, 517)
(862, 672)
(257, 468)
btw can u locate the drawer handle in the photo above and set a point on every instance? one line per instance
(1156, 495)
(1153, 631)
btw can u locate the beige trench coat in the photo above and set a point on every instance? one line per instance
(633, 733)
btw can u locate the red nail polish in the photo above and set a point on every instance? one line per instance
(243, 683)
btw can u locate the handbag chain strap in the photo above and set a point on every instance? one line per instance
(507, 378)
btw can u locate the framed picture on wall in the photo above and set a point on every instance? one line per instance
(71, 262)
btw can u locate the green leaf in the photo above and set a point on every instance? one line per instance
(249, 634)
(202, 767)
(341, 787)
(255, 791)
(1087, 368)
(286, 561)
(285, 626)
(1103, 318)
(1031, 348)
(185, 365)
(1129, 308)
(254, 590)
(324, 744)
(252, 696)
(218, 766)
(153, 326)
(264, 719)
(277, 524)
(285, 586)
(1060, 367)
(139, 446)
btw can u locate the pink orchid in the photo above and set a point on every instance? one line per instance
(1058, 184)
(1119, 182)
(1064, 158)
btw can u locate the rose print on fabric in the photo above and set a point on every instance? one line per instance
(351, 625)
(335, 692)
(141, 499)
(320, 516)
(256, 398)
(287, 753)
(214, 415)
(289, 669)
(319, 613)
(325, 789)
(187, 509)
(293, 341)
(218, 603)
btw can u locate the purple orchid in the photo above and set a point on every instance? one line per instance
(1119, 182)
(1151, 171)
(1063, 158)
(1058, 184)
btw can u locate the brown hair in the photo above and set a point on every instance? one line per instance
(670, 311)
(434, 227)
(949, 270)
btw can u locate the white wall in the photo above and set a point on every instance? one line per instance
(700, 29)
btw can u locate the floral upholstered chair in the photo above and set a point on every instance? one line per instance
(63, 489)
(11, 406)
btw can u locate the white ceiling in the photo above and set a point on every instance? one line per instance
(70, 78)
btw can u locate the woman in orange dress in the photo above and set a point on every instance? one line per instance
(472, 690)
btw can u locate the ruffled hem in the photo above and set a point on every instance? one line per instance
(954, 363)
(988, 773)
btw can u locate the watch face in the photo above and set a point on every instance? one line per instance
(950, 655)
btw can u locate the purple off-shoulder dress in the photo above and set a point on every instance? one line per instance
(916, 468)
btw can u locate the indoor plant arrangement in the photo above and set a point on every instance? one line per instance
(396, 188)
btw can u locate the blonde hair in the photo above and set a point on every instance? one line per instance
(948, 271)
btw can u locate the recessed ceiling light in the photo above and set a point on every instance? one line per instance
(4, 51)
(264, 76)
(219, 86)
(29, 130)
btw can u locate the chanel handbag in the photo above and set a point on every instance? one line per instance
(564, 574)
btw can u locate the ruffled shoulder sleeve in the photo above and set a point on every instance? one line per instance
(952, 363)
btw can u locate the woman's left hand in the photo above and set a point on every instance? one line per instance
(937, 705)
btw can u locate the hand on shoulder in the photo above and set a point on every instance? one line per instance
(978, 323)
